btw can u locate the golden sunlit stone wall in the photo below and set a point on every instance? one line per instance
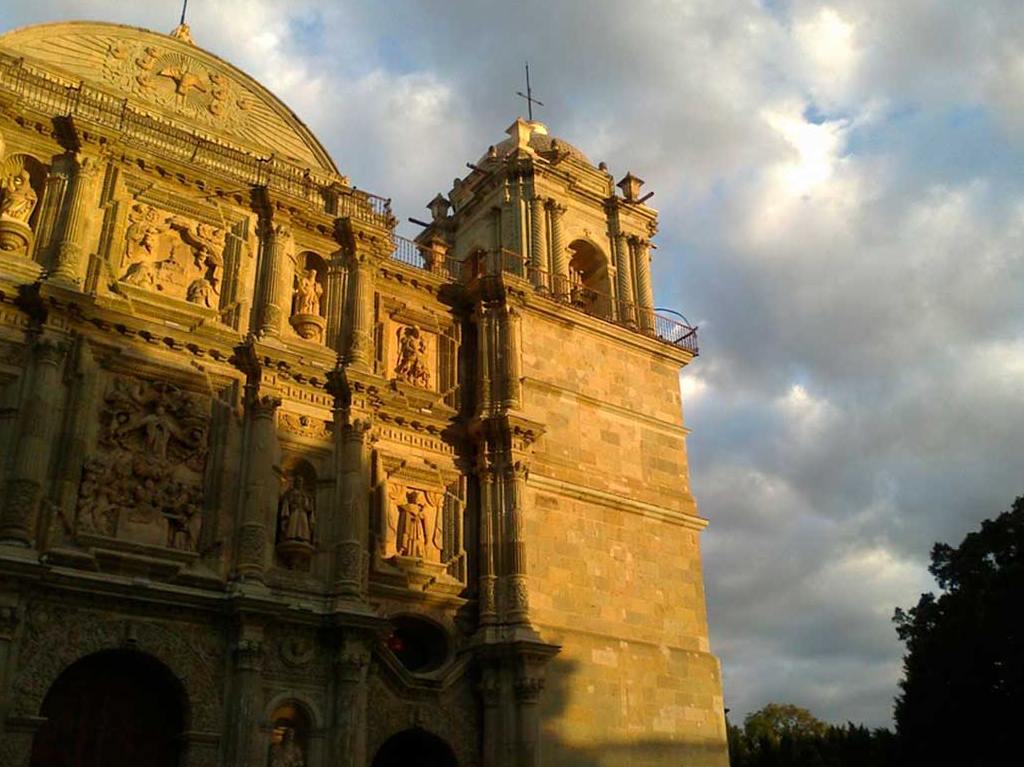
(613, 557)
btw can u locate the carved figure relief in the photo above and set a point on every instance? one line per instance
(145, 483)
(411, 365)
(175, 80)
(307, 316)
(18, 198)
(415, 525)
(304, 425)
(18, 201)
(175, 256)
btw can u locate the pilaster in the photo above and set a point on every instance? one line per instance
(624, 281)
(245, 746)
(37, 425)
(348, 726)
(559, 262)
(640, 253)
(538, 245)
(70, 267)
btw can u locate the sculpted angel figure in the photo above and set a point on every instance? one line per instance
(307, 292)
(17, 197)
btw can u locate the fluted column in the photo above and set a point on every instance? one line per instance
(348, 740)
(353, 467)
(641, 253)
(245, 747)
(487, 599)
(624, 280)
(517, 596)
(511, 327)
(336, 277)
(70, 265)
(489, 688)
(262, 487)
(360, 300)
(559, 261)
(538, 245)
(10, 617)
(276, 301)
(37, 424)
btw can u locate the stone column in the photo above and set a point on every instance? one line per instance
(37, 424)
(353, 467)
(487, 598)
(624, 284)
(276, 302)
(517, 594)
(360, 301)
(10, 616)
(70, 266)
(538, 246)
(245, 746)
(641, 255)
(262, 487)
(490, 693)
(509, 354)
(529, 684)
(559, 261)
(336, 278)
(351, 666)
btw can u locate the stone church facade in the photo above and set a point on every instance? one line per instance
(282, 488)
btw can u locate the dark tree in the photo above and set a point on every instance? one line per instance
(963, 685)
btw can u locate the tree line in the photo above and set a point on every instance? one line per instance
(963, 673)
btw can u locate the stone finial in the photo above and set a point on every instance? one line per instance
(520, 131)
(184, 33)
(630, 186)
(439, 207)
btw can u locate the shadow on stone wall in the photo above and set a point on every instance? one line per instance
(642, 752)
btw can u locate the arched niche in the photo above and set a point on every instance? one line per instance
(415, 746)
(589, 281)
(308, 314)
(291, 728)
(118, 708)
(297, 520)
(22, 181)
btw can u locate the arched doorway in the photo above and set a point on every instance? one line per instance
(415, 747)
(116, 708)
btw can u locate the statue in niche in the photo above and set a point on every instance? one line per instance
(287, 753)
(415, 524)
(297, 513)
(173, 255)
(144, 484)
(307, 293)
(411, 366)
(17, 197)
(307, 318)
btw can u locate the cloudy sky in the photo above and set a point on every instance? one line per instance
(841, 188)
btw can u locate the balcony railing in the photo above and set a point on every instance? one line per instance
(61, 97)
(576, 295)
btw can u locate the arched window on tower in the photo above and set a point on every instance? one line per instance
(588, 279)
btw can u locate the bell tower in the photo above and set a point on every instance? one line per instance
(591, 634)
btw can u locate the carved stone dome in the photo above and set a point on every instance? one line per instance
(172, 79)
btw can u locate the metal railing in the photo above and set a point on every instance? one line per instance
(558, 288)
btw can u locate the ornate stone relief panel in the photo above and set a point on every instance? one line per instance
(144, 483)
(304, 425)
(173, 255)
(419, 525)
(411, 354)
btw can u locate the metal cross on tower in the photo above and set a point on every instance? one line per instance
(184, 7)
(530, 100)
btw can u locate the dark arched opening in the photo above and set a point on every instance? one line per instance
(417, 747)
(115, 708)
(590, 289)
